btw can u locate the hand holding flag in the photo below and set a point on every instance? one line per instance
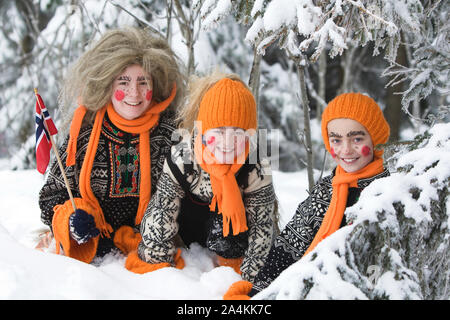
(45, 129)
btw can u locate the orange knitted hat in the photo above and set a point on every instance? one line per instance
(361, 108)
(227, 103)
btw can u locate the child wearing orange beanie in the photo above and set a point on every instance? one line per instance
(210, 192)
(352, 126)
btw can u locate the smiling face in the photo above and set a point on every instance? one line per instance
(132, 92)
(350, 144)
(226, 143)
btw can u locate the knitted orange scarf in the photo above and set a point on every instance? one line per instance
(341, 182)
(141, 125)
(227, 195)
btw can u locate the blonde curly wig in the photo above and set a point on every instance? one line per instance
(89, 81)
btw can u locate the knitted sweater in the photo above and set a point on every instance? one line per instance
(115, 173)
(298, 234)
(159, 226)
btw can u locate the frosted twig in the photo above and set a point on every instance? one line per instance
(365, 27)
(91, 19)
(362, 8)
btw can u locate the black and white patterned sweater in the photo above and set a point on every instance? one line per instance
(298, 234)
(160, 227)
(115, 174)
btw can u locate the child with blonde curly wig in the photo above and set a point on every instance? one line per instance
(126, 87)
(210, 191)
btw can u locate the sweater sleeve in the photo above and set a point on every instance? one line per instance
(278, 259)
(259, 201)
(159, 225)
(295, 238)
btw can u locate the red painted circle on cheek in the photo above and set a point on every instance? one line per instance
(211, 140)
(119, 95)
(365, 151)
(333, 154)
(149, 95)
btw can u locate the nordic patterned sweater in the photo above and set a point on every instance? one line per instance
(298, 234)
(115, 173)
(159, 226)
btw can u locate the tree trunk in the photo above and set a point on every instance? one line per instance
(191, 62)
(253, 81)
(187, 30)
(322, 82)
(169, 21)
(306, 123)
(346, 64)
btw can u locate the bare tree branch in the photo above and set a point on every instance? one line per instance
(153, 29)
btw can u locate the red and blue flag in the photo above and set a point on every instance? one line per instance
(44, 129)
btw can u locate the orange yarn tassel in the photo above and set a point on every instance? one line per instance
(75, 127)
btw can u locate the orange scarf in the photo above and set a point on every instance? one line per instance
(227, 195)
(141, 125)
(341, 182)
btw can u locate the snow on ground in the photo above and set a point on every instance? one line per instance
(27, 273)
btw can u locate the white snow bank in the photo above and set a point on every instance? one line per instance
(27, 273)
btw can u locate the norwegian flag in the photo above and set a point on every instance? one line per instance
(43, 142)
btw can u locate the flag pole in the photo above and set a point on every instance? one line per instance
(55, 150)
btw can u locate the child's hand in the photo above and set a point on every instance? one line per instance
(82, 226)
(238, 291)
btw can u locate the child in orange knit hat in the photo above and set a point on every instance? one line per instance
(210, 192)
(126, 86)
(352, 126)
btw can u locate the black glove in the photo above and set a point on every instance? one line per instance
(82, 226)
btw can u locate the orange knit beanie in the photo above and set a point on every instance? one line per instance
(361, 108)
(227, 103)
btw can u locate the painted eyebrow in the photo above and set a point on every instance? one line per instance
(127, 78)
(356, 133)
(334, 135)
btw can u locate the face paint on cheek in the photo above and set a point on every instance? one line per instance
(119, 95)
(333, 154)
(365, 151)
(149, 95)
(211, 140)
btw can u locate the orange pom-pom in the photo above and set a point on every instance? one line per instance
(126, 239)
(238, 291)
(234, 263)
